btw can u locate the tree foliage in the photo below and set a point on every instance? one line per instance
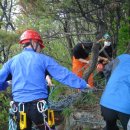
(78, 20)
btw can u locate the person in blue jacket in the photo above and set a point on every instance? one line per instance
(115, 101)
(28, 77)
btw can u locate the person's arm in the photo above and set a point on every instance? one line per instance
(84, 61)
(4, 72)
(64, 75)
(103, 60)
(109, 68)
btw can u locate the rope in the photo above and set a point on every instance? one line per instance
(12, 123)
(67, 101)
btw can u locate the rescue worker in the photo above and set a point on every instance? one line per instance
(81, 59)
(115, 101)
(28, 77)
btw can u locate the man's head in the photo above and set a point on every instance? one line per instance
(82, 49)
(33, 39)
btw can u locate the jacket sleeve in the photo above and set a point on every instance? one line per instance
(109, 68)
(4, 72)
(63, 75)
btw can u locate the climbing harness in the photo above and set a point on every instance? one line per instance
(42, 108)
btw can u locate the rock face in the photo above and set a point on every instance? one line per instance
(89, 119)
(82, 119)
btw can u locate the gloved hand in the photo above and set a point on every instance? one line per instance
(88, 89)
(49, 81)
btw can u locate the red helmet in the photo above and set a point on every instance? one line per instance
(31, 35)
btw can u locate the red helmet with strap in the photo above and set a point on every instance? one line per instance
(31, 35)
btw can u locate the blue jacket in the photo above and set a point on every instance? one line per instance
(116, 95)
(28, 75)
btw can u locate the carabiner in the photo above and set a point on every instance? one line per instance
(13, 106)
(42, 106)
(19, 106)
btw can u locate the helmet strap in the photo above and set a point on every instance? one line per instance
(37, 44)
(31, 44)
(35, 49)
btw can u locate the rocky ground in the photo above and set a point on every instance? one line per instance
(88, 118)
(84, 117)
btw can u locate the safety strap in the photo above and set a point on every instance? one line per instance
(32, 45)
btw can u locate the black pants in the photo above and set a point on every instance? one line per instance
(33, 115)
(111, 116)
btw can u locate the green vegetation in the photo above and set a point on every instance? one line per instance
(87, 99)
(67, 112)
(124, 38)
